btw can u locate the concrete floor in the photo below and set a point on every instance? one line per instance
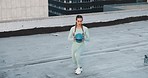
(113, 52)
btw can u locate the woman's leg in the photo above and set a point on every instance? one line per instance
(77, 58)
(76, 52)
(73, 57)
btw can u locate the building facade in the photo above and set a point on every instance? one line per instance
(23, 9)
(66, 7)
(28, 9)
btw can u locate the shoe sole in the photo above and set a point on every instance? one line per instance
(78, 74)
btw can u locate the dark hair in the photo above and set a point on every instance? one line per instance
(79, 16)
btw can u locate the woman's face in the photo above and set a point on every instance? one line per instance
(79, 21)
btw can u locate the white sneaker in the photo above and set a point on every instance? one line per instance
(78, 70)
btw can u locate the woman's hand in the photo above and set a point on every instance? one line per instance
(74, 38)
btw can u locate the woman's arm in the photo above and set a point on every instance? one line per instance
(86, 36)
(70, 36)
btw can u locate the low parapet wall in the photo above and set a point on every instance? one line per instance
(63, 23)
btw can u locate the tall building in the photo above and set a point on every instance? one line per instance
(66, 7)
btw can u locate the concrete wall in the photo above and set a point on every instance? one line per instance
(23, 9)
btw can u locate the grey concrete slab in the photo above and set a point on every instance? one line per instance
(113, 52)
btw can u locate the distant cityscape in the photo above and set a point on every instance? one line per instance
(67, 7)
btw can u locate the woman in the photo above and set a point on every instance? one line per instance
(78, 34)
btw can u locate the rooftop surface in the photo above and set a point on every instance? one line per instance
(113, 52)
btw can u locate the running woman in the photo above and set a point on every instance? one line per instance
(78, 35)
